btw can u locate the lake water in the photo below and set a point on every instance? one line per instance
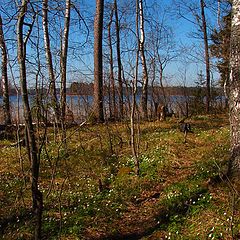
(81, 105)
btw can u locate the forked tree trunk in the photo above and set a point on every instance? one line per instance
(37, 201)
(234, 92)
(98, 63)
(52, 85)
(144, 99)
(6, 104)
(207, 61)
(119, 61)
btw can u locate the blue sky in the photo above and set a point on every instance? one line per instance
(80, 61)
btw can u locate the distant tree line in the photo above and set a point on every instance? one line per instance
(87, 89)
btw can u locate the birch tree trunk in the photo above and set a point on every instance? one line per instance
(134, 104)
(234, 92)
(47, 47)
(37, 201)
(144, 99)
(98, 62)
(207, 61)
(63, 63)
(119, 61)
(6, 104)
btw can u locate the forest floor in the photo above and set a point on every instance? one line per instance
(91, 192)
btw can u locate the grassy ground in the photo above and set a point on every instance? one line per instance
(178, 195)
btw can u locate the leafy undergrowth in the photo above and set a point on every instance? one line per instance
(90, 191)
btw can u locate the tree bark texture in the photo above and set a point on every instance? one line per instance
(47, 46)
(234, 91)
(144, 99)
(119, 61)
(207, 61)
(134, 104)
(6, 103)
(37, 201)
(63, 63)
(98, 62)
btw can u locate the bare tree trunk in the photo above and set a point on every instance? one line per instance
(161, 68)
(107, 83)
(47, 46)
(119, 61)
(133, 107)
(234, 92)
(38, 96)
(98, 65)
(6, 104)
(127, 94)
(37, 200)
(63, 65)
(144, 99)
(207, 61)
(153, 93)
(112, 81)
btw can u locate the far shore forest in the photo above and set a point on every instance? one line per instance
(87, 89)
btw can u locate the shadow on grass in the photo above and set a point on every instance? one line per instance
(162, 218)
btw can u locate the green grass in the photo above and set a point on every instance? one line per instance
(175, 178)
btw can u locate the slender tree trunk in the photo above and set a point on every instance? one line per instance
(63, 64)
(119, 61)
(153, 93)
(37, 200)
(133, 107)
(47, 46)
(144, 99)
(234, 92)
(207, 61)
(161, 68)
(112, 81)
(127, 94)
(110, 105)
(6, 104)
(98, 63)
(38, 95)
